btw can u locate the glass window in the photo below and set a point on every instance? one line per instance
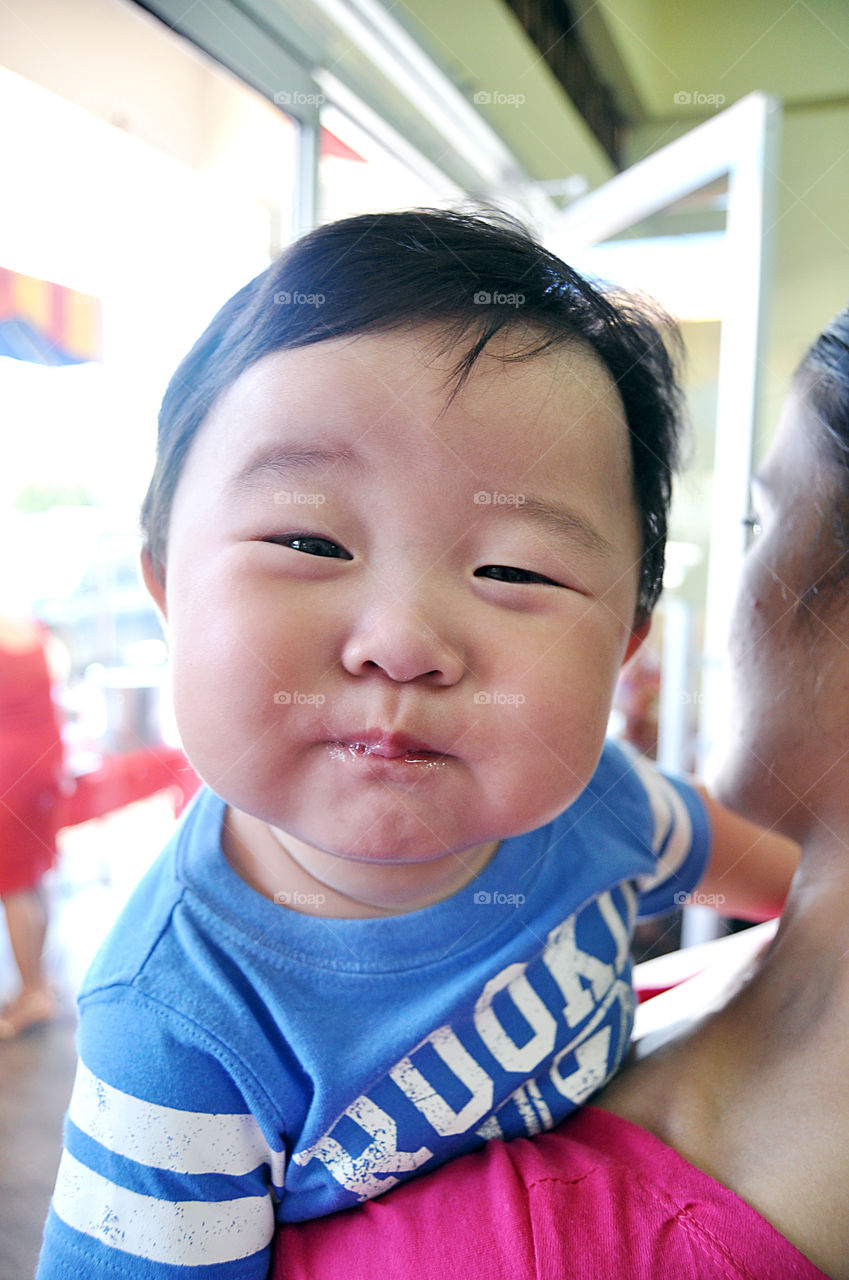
(156, 227)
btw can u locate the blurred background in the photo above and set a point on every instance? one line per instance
(156, 156)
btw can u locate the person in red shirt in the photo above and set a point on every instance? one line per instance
(30, 791)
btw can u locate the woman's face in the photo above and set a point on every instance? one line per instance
(789, 644)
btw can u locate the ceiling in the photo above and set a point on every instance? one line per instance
(649, 68)
(571, 90)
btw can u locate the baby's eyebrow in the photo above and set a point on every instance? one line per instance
(286, 463)
(561, 520)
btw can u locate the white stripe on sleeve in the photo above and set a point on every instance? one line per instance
(166, 1138)
(184, 1232)
(673, 828)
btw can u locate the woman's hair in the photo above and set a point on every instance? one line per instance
(822, 381)
(823, 378)
(473, 275)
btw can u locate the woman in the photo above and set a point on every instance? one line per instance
(726, 1153)
(30, 791)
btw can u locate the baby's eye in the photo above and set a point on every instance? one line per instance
(752, 523)
(313, 546)
(507, 573)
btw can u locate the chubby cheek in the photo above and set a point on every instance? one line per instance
(221, 712)
(541, 770)
(239, 678)
(551, 741)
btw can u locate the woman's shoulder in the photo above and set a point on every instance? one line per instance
(756, 1098)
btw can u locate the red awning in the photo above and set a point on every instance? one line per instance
(333, 146)
(46, 323)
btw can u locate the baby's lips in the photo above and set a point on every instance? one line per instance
(387, 745)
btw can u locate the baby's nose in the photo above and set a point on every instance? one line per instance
(406, 642)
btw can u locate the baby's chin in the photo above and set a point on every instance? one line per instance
(352, 850)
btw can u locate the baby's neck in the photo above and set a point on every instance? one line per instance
(314, 882)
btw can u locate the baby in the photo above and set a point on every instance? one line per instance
(406, 524)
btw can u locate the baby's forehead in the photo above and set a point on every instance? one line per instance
(355, 365)
(391, 401)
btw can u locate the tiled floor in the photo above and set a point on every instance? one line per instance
(99, 865)
(36, 1072)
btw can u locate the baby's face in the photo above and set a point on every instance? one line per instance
(396, 622)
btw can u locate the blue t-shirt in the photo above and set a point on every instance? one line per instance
(241, 1063)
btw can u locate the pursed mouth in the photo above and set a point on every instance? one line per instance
(378, 753)
(378, 745)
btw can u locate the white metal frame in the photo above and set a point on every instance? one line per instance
(390, 48)
(742, 143)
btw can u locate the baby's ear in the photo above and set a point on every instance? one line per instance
(636, 638)
(153, 572)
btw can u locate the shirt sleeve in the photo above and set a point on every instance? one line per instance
(165, 1171)
(680, 840)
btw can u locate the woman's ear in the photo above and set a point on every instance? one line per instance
(153, 572)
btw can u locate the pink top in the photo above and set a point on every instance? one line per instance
(597, 1199)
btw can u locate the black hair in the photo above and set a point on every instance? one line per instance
(822, 380)
(823, 376)
(472, 274)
